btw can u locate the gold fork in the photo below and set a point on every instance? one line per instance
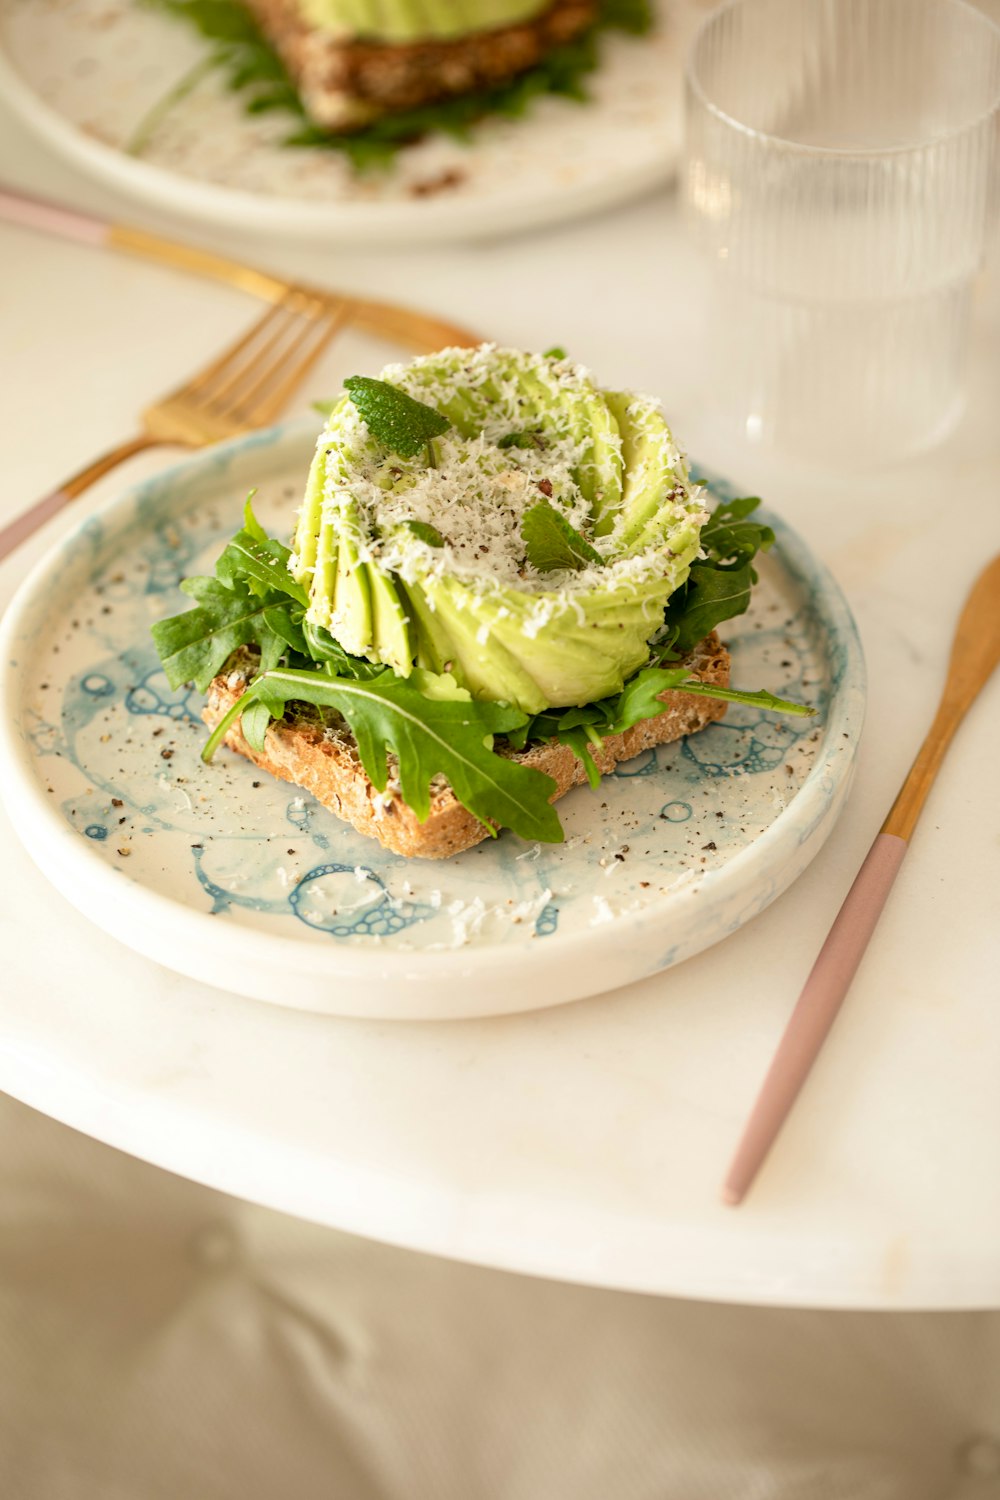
(246, 387)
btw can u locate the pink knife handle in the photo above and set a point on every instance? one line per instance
(19, 530)
(816, 1009)
(35, 213)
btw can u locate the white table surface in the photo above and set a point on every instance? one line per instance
(585, 1143)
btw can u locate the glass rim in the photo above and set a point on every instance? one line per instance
(844, 153)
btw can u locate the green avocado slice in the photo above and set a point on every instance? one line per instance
(646, 445)
(308, 528)
(486, 667)
(433, 644)
(392, 639)
(351, 611)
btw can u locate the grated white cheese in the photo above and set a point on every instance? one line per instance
(475, 495)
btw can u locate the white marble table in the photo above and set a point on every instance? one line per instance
(585, 1143)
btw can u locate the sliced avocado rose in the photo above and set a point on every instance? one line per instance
(528, 549)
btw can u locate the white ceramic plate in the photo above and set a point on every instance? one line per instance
(83, 73)
(226, 875)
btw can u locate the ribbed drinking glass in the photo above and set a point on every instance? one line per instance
(840, 169)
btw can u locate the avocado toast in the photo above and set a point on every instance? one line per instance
(355, 60)
(367, 77)
(502, 582)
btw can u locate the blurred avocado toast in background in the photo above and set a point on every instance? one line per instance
(502, 582)
(365, 77)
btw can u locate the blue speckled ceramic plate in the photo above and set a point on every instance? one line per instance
(227, 875)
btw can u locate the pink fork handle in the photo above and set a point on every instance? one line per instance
(36, 213)
(816, 1009)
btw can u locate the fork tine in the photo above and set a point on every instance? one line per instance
(309, 344)
(268, 361)
(277, 313)
(242, 376)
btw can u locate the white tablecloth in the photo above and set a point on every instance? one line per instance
(159, 1341)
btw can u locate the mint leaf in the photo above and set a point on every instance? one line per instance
(428, 736)
(551, 542)
(393, 418)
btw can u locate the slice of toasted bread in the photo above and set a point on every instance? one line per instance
(345, 81)
(322, 758)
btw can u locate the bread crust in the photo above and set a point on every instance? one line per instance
(345, 82)
(326, 764)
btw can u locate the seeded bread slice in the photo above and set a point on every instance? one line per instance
(322, 758)
(345, 82)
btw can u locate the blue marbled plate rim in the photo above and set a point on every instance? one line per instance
(129, 910)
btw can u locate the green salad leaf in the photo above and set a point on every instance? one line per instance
(719, 583)
(551, 542)
(393, 418)
(586, 728)
(253, 600)
(428, 736)
(195, 646)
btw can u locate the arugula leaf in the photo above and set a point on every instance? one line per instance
(710, 595)
(285, 620)
(253, 600)
(256, 718)
(321, 647)
(427, 735)
(719, 583)
(393, 418)
(589, 725)
(551, 542)
(195, 646)
(262, 565)
(239, 49)
(251, 523)
(760, 698)
(728, 537)
(252, 68)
